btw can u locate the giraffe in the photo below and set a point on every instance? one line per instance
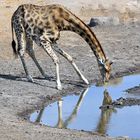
(107, 98)
(42, 25)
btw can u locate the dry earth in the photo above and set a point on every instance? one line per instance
(17, 98)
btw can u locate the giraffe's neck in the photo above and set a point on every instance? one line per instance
(78, 26)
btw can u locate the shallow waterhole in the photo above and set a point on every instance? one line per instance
(82, 111)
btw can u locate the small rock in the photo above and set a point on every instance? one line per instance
(104, 21)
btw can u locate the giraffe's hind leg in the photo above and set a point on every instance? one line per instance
(48, 48)
(30, 50)
(70, 59)
(21, 49)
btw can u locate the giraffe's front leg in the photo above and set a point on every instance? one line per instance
(58, 82)
(48, 48)
(70, 59)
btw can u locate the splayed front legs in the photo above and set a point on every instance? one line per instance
(70, 59)
(49, 49)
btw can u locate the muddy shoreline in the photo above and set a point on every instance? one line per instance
(134, 90)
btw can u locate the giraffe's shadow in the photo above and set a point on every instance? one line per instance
(24, 79)
(9, 77)
(38, 79)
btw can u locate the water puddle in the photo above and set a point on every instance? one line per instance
(82, 111)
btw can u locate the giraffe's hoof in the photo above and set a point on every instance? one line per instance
(59, 87)
(86, 81)
(30, 79)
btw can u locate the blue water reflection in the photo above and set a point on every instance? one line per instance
(82, 111)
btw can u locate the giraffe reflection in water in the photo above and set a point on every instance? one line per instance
(61, 123)
(38, 119)
(106, 113)
(103, 120)
(73, 115)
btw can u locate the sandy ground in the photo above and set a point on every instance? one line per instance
(18, 98)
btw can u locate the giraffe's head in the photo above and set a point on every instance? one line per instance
(105, 69)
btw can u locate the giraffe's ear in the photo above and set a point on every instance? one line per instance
(110, 62)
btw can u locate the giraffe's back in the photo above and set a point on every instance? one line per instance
(37, 20)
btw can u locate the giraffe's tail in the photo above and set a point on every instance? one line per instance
(13, 42)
